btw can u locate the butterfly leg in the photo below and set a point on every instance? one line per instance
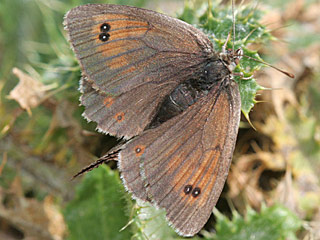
(242, 76)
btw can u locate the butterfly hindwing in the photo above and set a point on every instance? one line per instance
(182, 164)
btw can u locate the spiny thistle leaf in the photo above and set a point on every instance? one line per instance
(276, 222)
(98, 209)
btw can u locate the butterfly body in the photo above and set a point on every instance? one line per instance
(157, 82)
(190, 91)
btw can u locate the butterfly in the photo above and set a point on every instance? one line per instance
(158, 83)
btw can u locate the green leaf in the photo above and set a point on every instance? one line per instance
(248, 89)
(273, 223)
(150, 224)
(98, 209)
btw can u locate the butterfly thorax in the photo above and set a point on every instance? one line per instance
(213, 73)
(231, 58)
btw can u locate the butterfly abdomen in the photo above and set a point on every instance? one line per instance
(190, 91)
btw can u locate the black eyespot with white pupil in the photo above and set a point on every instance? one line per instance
(104, 37)
(196, 192)
(187, 189)
(105, 27)
(138, 150)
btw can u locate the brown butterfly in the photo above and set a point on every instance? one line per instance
(158, 83)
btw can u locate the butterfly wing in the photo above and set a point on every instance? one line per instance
(182, 164)
(131, 59)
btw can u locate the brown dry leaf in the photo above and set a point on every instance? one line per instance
(285, 192)
(243, 185)
(29, 92)
(311, 14)
(246, 174)
(37, 220)
(293, 10)
(52, 211)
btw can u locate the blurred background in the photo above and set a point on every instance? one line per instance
(272, 191)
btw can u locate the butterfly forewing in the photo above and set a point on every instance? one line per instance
(182, 165)
(122, 49)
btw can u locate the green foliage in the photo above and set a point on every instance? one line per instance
(98, 209)
(273, 223)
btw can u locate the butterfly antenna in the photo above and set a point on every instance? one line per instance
(234, 26)
(243, 55)
(269, 65)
